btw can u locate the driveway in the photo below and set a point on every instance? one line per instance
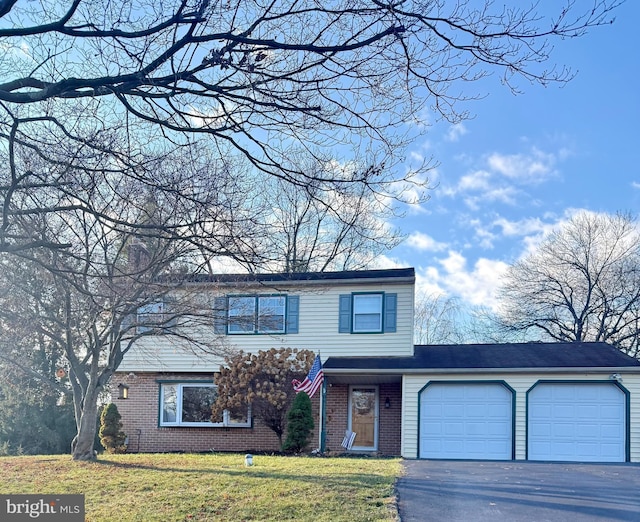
(473, 491)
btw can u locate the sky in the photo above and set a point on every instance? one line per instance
(526, 163)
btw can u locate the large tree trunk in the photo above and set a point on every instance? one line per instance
(82, 447)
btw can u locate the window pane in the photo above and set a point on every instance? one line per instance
(150, 315)
(363, 304)
(242, 314)
(239, 417)
(197, 402)
(367, 323)
(367, 313)
(169, 403)
(271, 314)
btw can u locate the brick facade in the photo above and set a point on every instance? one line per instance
(141, 409)
(389, 421)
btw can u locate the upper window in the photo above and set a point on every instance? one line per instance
(367, 313)
(189, 404)
(256, 314)
(154, 316)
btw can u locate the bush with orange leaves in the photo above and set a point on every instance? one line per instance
(261, 381)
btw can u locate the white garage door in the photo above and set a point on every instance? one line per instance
(581, 422)
(466, 421)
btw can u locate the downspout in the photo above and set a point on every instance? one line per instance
(323, 417)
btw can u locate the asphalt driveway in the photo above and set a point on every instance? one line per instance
(473, 491)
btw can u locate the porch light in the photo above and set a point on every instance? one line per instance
(387, 403)
(123, 391)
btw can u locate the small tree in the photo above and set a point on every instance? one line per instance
(262, 381)
(300, 423)
(111, 435)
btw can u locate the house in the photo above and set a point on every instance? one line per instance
(536, 401)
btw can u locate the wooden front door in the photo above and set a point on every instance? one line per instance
(363, 416)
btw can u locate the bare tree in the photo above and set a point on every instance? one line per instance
(443, 319)
(261, 79)
(307, 229)
(113, 285)
(438, 320)
(582, 283)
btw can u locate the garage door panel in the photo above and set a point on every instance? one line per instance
(466, 421)
(576, 422)
(454, 429)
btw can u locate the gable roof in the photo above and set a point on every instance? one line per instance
(512, 356)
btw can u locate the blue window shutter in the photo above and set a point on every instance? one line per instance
(220, 315)
(390, 312)
(344, 315)
(293, 311)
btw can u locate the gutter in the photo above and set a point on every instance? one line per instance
(471, 371)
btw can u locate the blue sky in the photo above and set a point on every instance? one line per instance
(525, 163)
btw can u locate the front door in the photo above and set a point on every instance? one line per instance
(363, 417)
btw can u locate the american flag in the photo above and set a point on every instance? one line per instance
(312, 381)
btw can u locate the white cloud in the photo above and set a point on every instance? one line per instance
(521, 227)
(501, 178)
(534, 167)
(424, 243)
(455, 132)
(476, 285)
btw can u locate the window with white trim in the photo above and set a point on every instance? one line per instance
(154, 317)
(256, 314)
(189, 405)
(367, 313)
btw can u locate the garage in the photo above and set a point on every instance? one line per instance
(576, 422)
(466, 421)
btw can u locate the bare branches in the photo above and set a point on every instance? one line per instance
(246, 72)
(581, 285)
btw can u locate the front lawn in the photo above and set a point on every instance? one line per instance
(173, 487)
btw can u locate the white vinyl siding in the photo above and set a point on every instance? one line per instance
(317, 331)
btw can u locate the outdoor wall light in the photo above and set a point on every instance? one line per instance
(616, 377)
(387, 403)
(123, 391)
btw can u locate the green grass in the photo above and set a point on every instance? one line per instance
(190, 487)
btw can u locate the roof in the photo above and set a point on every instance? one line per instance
(346, 275)
(492, 356)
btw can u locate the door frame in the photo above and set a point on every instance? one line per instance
(376, 421)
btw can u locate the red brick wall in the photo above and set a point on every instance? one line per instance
(140, 420)
(389, 418)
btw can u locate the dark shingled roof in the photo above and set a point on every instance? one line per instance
(507, 355)
(305, 276)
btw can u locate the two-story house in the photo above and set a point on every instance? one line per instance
(536, 401)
